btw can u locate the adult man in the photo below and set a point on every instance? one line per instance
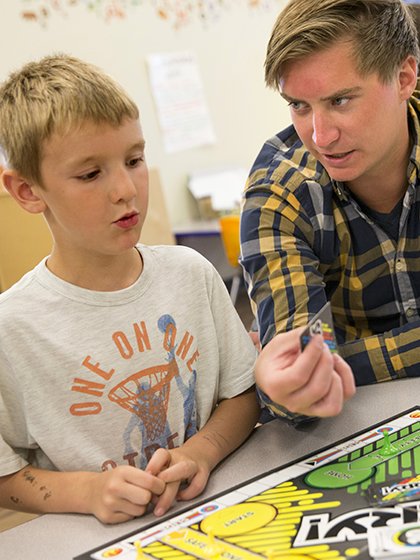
(332, 203)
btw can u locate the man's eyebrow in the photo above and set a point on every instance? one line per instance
(337, 94)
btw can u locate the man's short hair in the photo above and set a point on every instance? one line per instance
(55, 95)
(382, 32)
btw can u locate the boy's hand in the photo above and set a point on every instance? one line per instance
(122, 493)
(313, 382)
(174, 467)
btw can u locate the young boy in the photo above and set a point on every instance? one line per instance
(124, 369)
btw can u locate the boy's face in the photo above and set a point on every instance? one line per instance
(356, 127)
(95, 189)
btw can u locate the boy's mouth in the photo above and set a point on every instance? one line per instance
(128, 221)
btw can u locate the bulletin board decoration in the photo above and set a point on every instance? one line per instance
(176, 12)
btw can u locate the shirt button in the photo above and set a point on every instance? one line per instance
(409, 312)
(399, 266)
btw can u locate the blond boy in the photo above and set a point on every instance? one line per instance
(124, 369)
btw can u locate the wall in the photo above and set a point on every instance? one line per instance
(230, 52)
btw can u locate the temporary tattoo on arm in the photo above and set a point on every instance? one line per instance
(31, 478)
(15, 500)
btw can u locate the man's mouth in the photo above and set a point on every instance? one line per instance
(337, 156)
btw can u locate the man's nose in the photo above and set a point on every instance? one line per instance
(324, 130)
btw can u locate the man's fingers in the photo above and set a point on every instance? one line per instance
(332, 403)
(347, 377)
(318, 384)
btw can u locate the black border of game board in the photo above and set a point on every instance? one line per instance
(87, 555)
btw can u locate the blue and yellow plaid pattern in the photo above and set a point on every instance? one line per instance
(305, 240)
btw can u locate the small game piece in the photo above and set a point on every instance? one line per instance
(387, 448)
(214, 549)
(139, 549)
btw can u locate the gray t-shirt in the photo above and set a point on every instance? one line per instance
(90, 380)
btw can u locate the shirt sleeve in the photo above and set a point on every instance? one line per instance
(237, 353)
(392, 355)
(14, 449)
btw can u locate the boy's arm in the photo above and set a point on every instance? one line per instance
(228, 427)
(112, 496)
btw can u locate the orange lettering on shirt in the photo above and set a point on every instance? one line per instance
(123, 345)
(88, 387)
(192, 360)
(83, 409)
(130, 458)
(142, 336)
(108, 465)
(185, 345)
(96, 369)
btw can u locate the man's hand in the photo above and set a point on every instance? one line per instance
(314, 382)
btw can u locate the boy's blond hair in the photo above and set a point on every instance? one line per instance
(55, 95)
(382, 31)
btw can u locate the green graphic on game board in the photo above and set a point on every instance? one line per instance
(344, 474)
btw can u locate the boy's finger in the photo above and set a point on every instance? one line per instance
(194, 488)
(146, 481)
(184, 470)
(161, 458)
(166, 499)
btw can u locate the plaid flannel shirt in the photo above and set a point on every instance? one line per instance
(305, 240)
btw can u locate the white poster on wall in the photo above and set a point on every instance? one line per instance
(179, 96)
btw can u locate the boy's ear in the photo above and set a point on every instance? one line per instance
(23, 192)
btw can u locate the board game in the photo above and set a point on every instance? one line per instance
(358, 499)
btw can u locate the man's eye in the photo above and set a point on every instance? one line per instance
(297, 105)
(340, 101)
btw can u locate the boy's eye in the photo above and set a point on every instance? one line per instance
(133, 162)
(89, 176)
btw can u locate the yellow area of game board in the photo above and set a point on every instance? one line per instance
(239, 519)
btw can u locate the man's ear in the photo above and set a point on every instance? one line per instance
(24, 192)
(407, 77)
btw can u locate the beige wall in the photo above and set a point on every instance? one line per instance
(230, 53)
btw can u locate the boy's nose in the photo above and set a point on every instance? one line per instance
(123, 186)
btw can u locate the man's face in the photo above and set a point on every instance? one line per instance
(95, 189)
(355, 126)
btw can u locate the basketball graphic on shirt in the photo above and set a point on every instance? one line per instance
(146, 394)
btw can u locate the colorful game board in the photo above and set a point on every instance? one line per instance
(358, 499)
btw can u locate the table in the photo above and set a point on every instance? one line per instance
(62, 536)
